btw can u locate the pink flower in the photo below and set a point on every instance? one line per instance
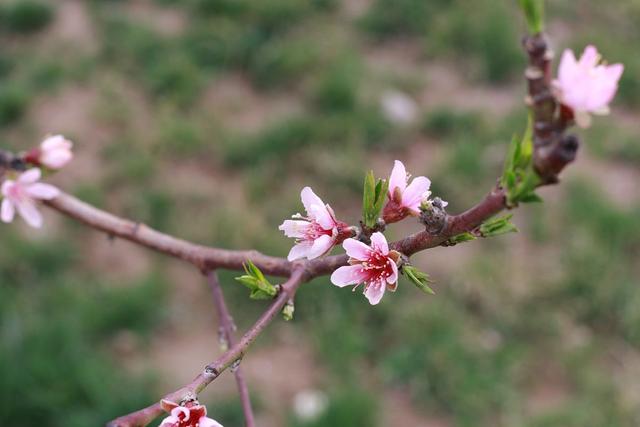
(405, 199)
(316, 233)
(375, 266)
(191, 415)
(54, 152)
(586, 86)
(22, 194)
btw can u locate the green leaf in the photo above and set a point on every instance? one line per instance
(497, 226)
(462, 237)
(256, 282)
(373, 198)
(418, 278)
(534, 14)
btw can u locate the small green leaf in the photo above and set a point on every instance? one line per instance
(373, 198)
(462, 237)
(531, 198)
(497, 226)
(418, 278)
(534, 14)
(256, 282)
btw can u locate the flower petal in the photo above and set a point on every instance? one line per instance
(208, 422)
(181, 410)
(375, 291)
(415, 192)
(29, 212)
(323, 216)
(30, 176)
(294, 228)
(348, 275)
(310, 199)
(42, 191)
(299, 250)
(394, 275)
(321, 246)
(170, 421)
(8, 211)
(356, 249)
(398, 178)
(379, 242)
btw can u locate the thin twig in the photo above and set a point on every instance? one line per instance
(227, 334)
(214, 369)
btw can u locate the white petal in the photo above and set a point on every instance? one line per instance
(394, 276)
(323, 216)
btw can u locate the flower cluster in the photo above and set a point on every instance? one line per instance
(191, 414)
(22, 191)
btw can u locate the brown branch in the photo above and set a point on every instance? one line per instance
(204, 257)
(227, 335)
(214, 369)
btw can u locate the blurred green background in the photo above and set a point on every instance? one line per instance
(204, 118)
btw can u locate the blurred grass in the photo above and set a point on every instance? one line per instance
(561, 296)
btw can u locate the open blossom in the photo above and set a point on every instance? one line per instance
(375, 266)
(191, 415)
(586, 86)
(54, 152)
(22, 194)
(316, 233)
(404, 198)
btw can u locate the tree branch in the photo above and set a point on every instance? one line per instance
(227, 330)
(214, 369)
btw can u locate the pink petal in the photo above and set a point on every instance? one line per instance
(356, 249)
(413, 195)
(55, 142)
(30, 176)
(295, 229)
(379, 242)
(170, 421)
(394, 276)
(6, 187)
(8, 211)
(398, 178)
(208, 422)
(181, 409)
(310, 199)
(348, 275)
(28, 211)
(299, 250)
(375, 292)
(323, 216)
(321, 246)
(167, 405)
(567, 66)
(590, 57)
(42, 191)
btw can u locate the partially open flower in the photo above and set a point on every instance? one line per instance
(586, 86)
(22, 195)
(54, 153)
(404, 198)
(375, 266)
(316, 233)
(192, 414)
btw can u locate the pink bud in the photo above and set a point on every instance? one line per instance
(54, 152)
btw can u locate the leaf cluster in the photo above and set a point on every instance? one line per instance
(373, 199)
(259, 286)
